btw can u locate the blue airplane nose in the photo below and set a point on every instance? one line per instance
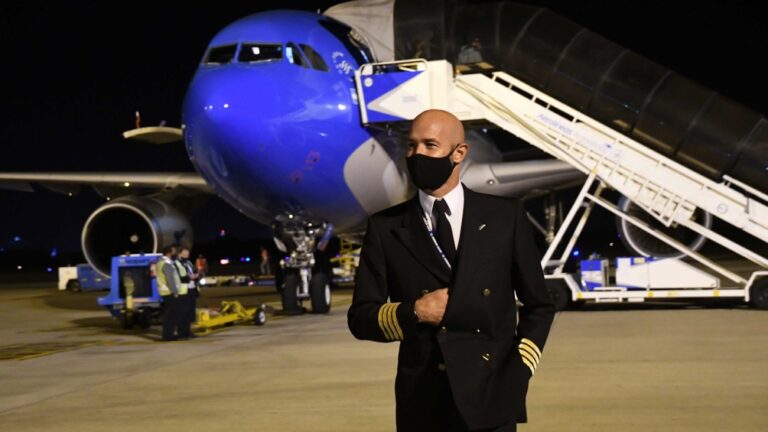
(220, 114)
(275, 136)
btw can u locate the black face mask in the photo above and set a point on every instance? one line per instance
(429, 173)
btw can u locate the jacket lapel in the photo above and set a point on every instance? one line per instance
(414, 236)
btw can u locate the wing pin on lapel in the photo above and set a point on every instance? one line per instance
(480, 228)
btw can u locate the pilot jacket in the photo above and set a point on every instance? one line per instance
(487, 347)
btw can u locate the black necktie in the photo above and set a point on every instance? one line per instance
(442, 229)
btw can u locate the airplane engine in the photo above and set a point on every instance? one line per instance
(132, 224)
(645, 244)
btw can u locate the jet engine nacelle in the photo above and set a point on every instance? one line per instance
(132, 224)
(645, 244)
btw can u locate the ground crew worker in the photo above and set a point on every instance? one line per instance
(202, 265)
(184, 325)
(190, 277)
(170, 288)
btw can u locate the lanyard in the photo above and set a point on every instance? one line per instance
(434, 240)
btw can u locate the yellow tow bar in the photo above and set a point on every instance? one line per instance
(231, 313)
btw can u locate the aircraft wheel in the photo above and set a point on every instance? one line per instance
(291, 304)
(320, 293)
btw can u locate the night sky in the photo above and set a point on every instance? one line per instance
(74, 73)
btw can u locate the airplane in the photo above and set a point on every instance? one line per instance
(272, 125)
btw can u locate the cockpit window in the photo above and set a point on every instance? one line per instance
(314, 58)
(294, 56)
(251, 52)
(351, 40)
(221, 55)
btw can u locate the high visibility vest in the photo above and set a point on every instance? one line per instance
(182, 288)
(181, 271)
(162, 282)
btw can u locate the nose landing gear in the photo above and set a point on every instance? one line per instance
(303, 279)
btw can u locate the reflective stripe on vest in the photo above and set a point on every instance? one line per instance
(162, 282)
(182, 288)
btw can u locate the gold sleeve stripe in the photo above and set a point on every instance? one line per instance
(528, 357)
(526, 348)
(384, 327)
(393, 313)
(388, 321)
(532, 345)
(530, 366)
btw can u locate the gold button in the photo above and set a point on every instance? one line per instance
(441, 366)
(443, 330)
(486, 292)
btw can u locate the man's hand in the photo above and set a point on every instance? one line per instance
(431, 307)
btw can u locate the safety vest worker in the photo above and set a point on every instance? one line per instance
(168, 279)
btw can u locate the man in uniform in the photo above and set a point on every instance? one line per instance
(440, 273)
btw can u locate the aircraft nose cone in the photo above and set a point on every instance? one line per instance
(216, 112)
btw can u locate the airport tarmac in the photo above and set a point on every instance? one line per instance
(66, 366)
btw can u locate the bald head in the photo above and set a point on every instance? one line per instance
(437, 133)
(438, 123)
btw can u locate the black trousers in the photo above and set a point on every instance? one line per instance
(184, 322)
(440, 413)
(192, 304)
(172, 309)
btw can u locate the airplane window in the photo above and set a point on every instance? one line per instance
(314, 58)
(221, 55)
(250, 53)
(294, 55)
(351, 40)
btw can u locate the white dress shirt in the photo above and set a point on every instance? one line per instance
(455, 201)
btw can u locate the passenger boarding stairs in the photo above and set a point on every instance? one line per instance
(398, 91)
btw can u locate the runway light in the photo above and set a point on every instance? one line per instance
(18, 267)
(127, 184)
(576, 253)
(222, 232)
(610, 244)
(70, 193)
(54, 252)
(16, 239)
(224, 261)
(247, 259)
(49, 269)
